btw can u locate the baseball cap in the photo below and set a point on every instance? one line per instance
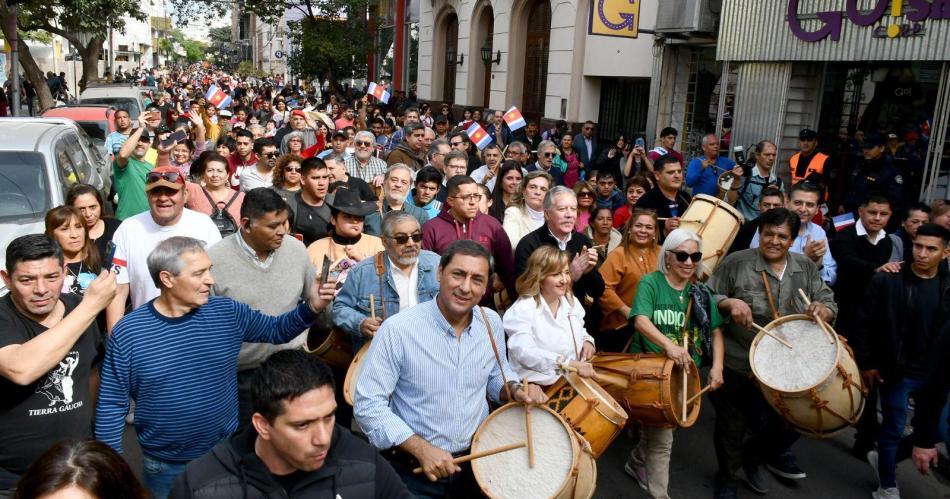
(340, 133)
(873, 139)
(807, 134)
(164, 176)
(892, 136)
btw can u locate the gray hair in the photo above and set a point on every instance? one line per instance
(394, 218)
(455, 155)
(519, 145)
(166, 257)
(364, 134)
(434, 146)
(556, 191)
(546, 144)
(673, 241)
(399, 166)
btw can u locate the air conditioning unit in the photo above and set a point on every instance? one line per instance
(688, 16)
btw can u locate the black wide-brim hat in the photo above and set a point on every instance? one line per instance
(348, 201)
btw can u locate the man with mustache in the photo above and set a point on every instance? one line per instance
(294, 445)
(399, 277)
(396, 185)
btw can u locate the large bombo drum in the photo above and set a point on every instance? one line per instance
(650, 387)
(589, 409)
(717, 223)
(330, 344)
(353, 374)
(815, 385)
(562, 467)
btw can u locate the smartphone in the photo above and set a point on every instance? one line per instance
(109, 256)
(325, 272)
(639, 142)
(178, 136)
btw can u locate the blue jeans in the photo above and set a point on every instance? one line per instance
(894, 394)
(159, 476)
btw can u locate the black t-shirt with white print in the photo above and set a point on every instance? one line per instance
(56, 406)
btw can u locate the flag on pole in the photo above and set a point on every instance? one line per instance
(478, 135)
(218, 97)
(514, 119)
(379, 92)
(843, 221)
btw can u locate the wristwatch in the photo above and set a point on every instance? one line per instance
(514, 385)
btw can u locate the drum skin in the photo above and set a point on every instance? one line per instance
(589, 409)
(649, 387)
(331, 345)
(578, 480)
(829, 406)
(717, 223)
(353, 374)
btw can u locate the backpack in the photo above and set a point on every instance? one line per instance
(221, 218)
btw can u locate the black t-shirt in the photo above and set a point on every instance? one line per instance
(58, 405)
(112, 224)
(921, 329)
(289, 482)
(311, 221)
(663, 206)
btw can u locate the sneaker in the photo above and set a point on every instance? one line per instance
(786, 466)
(638, 472)
(755, 479)
(889, 493)
(873, 460)
(727, 490)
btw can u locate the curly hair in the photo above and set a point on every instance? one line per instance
(282, 163)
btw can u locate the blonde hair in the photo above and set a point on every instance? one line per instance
(545, 261)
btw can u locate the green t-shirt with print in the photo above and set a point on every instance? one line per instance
(666, 309)
(130, 186)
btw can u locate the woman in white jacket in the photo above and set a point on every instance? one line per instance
(545, 326)
(527, 212)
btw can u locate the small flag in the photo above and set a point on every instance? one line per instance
(379, 92)
(478, 135)
(218, 97)
(514, 119)
(843, 221)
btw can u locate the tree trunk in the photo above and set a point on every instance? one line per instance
(90, 61)
(27, 63)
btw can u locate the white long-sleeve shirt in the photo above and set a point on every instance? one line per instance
(538, 341)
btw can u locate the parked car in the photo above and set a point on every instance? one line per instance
(119, 96)
(40, 158)
(96, 120)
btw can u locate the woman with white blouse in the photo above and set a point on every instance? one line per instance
(545, 326)
(526, 212)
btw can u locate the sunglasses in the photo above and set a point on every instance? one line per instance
(548, 155)
(364, 144)
(272, 154)
(169, 176)
(682, 256)
(403, 238)
(585, 194)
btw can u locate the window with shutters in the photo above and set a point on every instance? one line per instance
(537, 45)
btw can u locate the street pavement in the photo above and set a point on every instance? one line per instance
(832, 471)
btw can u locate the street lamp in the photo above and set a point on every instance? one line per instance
(450, 57)
(486, 55)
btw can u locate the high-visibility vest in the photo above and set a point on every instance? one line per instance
(817, 165)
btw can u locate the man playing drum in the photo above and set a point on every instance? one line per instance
(664, 300)
(768, 278)
(430, 372)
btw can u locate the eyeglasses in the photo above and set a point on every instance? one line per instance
(169, 176)
(682, 256)
(364, 144)
(548, 155)
(471, 198)
(587, 128)
(585, 194)
(403, 238)
(271, 154)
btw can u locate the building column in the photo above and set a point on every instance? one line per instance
(399, 46)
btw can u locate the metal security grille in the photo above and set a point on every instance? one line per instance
(536, 59)
(623, 109)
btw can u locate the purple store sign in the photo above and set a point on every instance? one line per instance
(918, 11)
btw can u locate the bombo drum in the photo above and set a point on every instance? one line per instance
(331, 345)
(815, 385)
(353, 374)
(562, 467)
(589, 409)
(717, 223)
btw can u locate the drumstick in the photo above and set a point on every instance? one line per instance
(821, 322)
(372, 307)
(484, 453)
(527, 427)
(772, 335)
(597, 376)
(700, 394)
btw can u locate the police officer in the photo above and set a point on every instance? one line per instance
(808, 162)
(874, 173)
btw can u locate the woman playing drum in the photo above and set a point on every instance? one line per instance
(545, 326)
(665, 300)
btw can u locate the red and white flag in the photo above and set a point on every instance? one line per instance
(479, 136)
(379, 92)
(514, 119)
(218, 97)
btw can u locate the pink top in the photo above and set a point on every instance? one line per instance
(583, 219)
(199, 202)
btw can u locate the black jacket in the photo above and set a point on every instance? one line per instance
(857, 260)
(232, 470)
(591, 284)
(879, 336)
(933, 395)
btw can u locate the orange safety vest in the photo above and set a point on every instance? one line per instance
(817, 165)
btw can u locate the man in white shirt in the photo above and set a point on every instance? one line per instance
(137, 236)
(487, 174)
(262, 173)
(401, 276)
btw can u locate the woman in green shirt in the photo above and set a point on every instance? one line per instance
(659, 313)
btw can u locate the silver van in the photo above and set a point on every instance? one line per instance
(132, 99)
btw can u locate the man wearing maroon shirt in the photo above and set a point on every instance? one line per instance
(242, 158)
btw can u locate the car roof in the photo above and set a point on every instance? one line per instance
(111, 91)
(25, 134)
(80, 113)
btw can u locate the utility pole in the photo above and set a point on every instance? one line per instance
(14, 60)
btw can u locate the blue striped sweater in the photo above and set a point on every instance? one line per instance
(182, 374)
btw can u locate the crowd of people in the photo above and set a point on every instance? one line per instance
(242, 232)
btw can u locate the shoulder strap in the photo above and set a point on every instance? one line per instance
(233, 197)
(381, 276)
(214, 206)
(491, 337)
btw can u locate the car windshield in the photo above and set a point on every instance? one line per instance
(96, 130)
(24, 187)
(127, 103)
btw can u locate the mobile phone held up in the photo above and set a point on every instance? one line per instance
(109, 256)
(639, 142)
(178, 136)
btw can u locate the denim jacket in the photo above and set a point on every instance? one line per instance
(351, 305)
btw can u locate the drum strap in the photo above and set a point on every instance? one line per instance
(768, 292)
(381, 275)
(494, 347)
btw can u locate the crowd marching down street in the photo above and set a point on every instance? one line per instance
(349, 293)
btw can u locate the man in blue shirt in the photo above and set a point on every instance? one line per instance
(429, 373)
(703, 172)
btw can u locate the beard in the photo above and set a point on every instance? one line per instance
(407, 260)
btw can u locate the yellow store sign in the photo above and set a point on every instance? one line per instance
(615, 18)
